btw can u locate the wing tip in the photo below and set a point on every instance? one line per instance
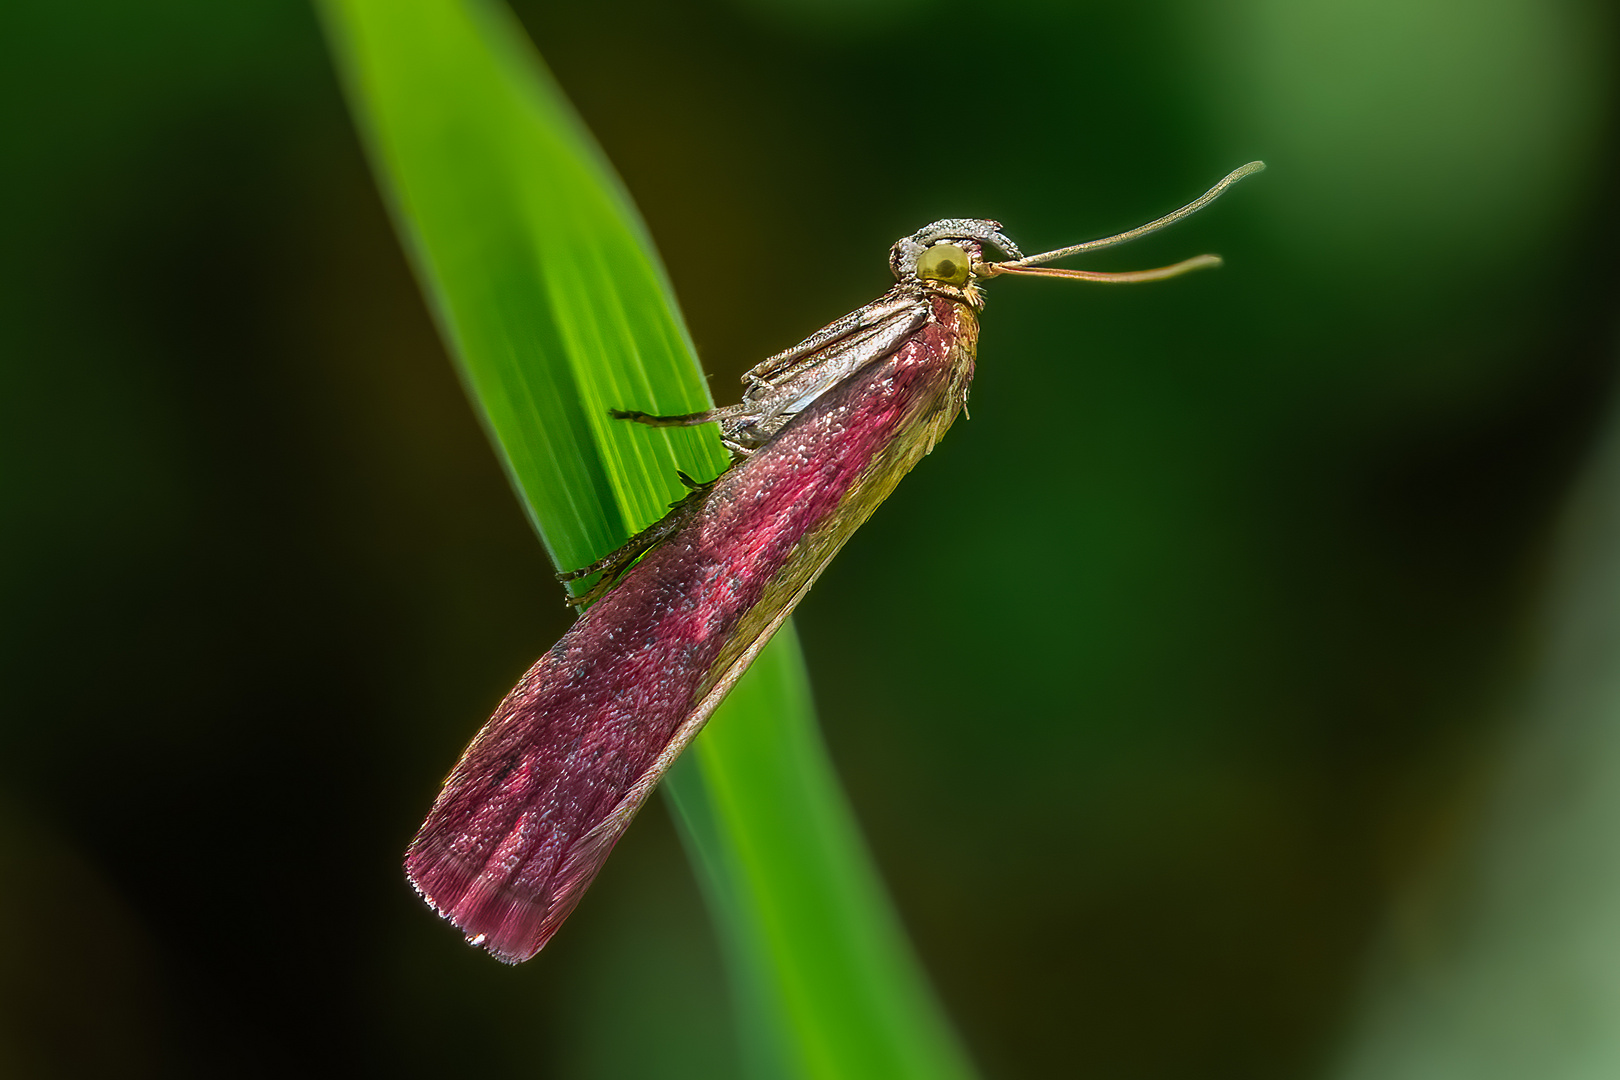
(510, 926)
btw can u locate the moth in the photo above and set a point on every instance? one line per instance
(823, 433)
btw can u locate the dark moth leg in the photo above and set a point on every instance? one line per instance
(613, 565)
(733, 421)
(713, 416)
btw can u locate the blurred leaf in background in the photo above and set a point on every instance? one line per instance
(1151, 708)
(1500, 961)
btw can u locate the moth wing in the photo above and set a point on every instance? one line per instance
(876, 313)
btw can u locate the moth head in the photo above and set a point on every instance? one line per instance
(946, 252)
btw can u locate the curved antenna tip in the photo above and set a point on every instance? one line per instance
(1142, 230)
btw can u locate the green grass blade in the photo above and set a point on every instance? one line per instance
(555, 307)
(835, 961)
(538, 269)
(1506, 962)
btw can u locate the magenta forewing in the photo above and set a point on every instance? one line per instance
(824, 432)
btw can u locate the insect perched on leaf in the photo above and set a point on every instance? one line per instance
(823, 433)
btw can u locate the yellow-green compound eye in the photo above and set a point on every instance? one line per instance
(944, 262)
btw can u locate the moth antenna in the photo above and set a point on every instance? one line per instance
(1118, 277)
(1141, 230)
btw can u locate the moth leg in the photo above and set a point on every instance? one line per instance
(680, 420)
(613, 565)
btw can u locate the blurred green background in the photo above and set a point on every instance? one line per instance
(1185, 693)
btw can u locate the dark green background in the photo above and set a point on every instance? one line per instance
(1152, 687)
